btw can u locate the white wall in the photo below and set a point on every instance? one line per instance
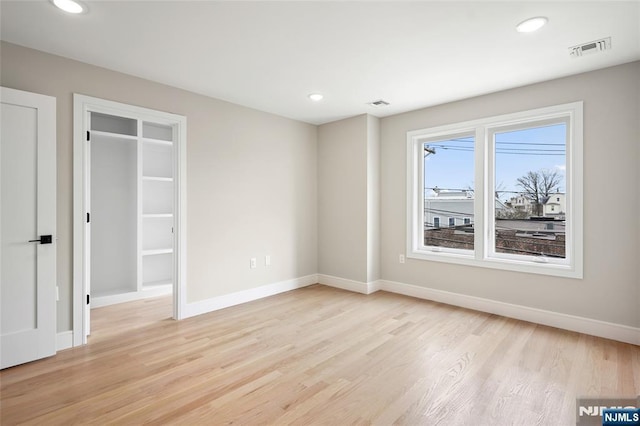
(373, 198)
(610, 290)
(260, 184)
(251, 176)
(342, 198)
(114, 216)
(349, 199)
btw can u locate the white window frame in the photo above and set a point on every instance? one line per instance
(434, 222)
(484, 254)
(466, 221)
(449, 220)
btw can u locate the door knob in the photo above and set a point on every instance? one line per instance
(44, 239)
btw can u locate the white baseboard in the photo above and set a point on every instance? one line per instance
(350, 285)
(619, 332)
(221, 302)
(64, 340)
(112, 299)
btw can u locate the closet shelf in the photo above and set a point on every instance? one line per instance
(155, 284)
(157, 141)
(156, 215)
(112, 135)
(157, 178)
(157, 251)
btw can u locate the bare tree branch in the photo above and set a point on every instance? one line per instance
(538, 186)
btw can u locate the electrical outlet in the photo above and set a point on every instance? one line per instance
(267, 260)
(401, 258)
(253, 263)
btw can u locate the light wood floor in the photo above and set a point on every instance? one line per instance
(318, 356)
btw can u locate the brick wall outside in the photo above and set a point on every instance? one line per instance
(506, 242)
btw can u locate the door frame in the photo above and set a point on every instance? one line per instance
(82, 106)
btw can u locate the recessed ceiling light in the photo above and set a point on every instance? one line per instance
(531, 24)
(316, 97)
(70, 6)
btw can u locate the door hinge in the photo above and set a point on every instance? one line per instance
(88, 135)
(88, 217)
(88, 299)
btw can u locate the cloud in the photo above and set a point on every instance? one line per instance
(561, 167)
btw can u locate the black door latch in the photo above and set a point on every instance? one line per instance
(44, 239)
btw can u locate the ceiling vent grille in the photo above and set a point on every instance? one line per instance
(590, 48)
(379, 103)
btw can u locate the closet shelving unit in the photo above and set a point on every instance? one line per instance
(157, 206)
(132, 205)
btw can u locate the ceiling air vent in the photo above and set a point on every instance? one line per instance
(591, 47)
(379, 103)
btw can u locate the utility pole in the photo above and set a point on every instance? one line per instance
(428, 151)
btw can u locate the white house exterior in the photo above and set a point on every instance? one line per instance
(521, 203)
(554, 205)
(445, 209)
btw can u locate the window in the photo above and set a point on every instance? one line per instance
(447, 176)
(477, 172)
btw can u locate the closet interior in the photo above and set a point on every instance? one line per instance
(131, 212)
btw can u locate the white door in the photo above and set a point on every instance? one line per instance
(28, 227)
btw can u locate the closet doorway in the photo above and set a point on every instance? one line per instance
(129, 207)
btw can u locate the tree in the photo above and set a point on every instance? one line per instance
(538, 186)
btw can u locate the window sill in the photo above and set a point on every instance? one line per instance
(524, 266)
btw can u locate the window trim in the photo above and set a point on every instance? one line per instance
(482, 255)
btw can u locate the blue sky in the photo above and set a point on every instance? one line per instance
(517, 152)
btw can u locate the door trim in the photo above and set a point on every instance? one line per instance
(82, 104)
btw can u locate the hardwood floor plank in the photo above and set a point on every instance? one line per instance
(318, 356)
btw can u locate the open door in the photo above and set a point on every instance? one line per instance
(28, 227)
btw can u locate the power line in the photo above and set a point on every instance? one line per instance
(530, 153)
(520, 151)
(503, 142)
(464, 214)
(523, 193)
(531, 143)
(531, 149)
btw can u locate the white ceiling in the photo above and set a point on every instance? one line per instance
(271, 55)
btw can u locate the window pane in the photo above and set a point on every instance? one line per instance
(530, 191)
(448, 193)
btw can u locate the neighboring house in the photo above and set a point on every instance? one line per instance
(554, 205)
(521, 203)
(445, 209)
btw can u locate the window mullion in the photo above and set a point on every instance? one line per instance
(479, 193)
